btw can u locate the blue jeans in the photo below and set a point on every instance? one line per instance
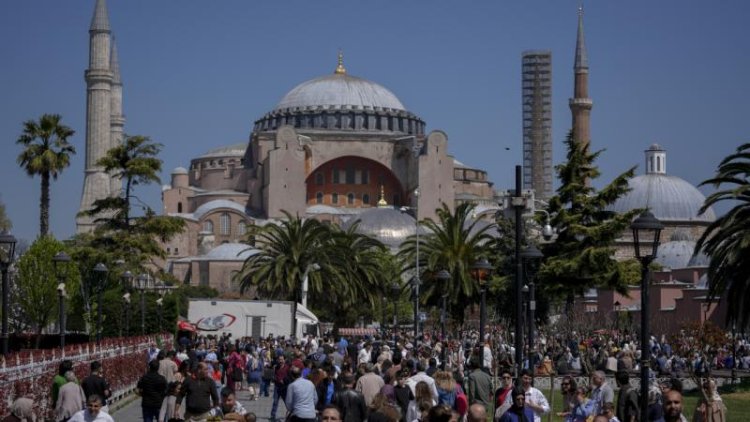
(275, 405)
(264, 388)
(150, 415)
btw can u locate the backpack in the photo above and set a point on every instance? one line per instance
(461, 404)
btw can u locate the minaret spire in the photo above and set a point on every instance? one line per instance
(581, 104)
(117, 120)
(99, 79)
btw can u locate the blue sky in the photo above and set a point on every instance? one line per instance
(198, 73)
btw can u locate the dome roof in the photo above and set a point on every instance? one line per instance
(669, 198)
(230, 252)
(675, 254)
(388, 225)
(180, 170)
(236, 150)
(337, 91)
(217, 204)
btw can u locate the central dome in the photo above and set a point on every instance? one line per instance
(340, 90)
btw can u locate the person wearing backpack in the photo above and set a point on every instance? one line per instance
(627, 399)
(254, 375)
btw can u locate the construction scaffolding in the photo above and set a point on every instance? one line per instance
(536, 93)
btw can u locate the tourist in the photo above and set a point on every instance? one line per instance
(96, 384)
(518, 411)
(370, 383)
(628, 408)
(301, 398)
(331, 413)
(349, 401)
(22, 410)
(199, 394)
(602, 392)
(503, 396)
(584, 406)
(59, 379)
(70, 398)
(710, 407)
(568, 386)
(170, 402)
(279, 391)
(534, 398)
(229, 409)
(422, 401)
(479, 384)
(151, 387)
(93, 412)
(673, 407)
(167, 367)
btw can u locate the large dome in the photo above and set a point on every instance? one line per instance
(388, 225)
(669, 198)
(340, 91)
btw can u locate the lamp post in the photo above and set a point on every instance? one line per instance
(396, 292)
(101, 274)
(646, 230)
(443, 277)
(531, 256)
(159, 304)
(519, 205)
(416, 277)
(142, 280)
(59, 261)
(7, 253)
(127, 282)
(480, 271)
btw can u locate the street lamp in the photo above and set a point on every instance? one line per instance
(518, 201)
(396, 292)
(7, 253)
(646, 230)
(142, 280)
(59, 261)
(416, 277)
(480, 271)
(101, 274)
(443, 277)
(531, 257)
(127, 282)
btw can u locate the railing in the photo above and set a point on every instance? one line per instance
(29, 373)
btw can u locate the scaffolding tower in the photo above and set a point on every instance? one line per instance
(536, 93)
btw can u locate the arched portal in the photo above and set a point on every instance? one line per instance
(353, 182)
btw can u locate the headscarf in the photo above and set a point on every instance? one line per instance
(23, 408)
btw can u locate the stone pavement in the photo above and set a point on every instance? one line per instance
(131, 412)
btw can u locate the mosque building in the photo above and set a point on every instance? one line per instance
(340, 148)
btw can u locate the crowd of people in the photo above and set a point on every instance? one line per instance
(389, 379)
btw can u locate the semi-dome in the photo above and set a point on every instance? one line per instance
(388, 225)
(669, 198)
(338, 91)
(675, 254)
(231, 252)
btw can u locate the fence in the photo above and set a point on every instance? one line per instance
(29, 373)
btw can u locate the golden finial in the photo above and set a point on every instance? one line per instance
(340, 69)
(381, 202)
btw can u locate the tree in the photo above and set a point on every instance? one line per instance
(46, 153)
(120, 234)
(36, 291)
(582, 255)
(453, 243)
(727, 240)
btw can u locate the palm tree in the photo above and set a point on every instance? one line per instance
(286, 252)
(46, 153)
(453, 243)
(727, 240)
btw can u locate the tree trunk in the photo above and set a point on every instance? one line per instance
(44, 206)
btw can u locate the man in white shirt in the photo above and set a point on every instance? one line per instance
(422, 376)
(365, 354)
(602, 392)
(534, 398)
(487, 356)
(92, 413)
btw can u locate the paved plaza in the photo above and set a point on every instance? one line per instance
(261, 407)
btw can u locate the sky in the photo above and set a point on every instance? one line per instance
(198, 73)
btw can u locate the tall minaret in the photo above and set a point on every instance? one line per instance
(99, 78)
(117, 119)
(580, 104)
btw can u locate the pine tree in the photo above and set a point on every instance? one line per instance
(583, 254)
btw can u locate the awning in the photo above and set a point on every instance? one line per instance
(185, 326)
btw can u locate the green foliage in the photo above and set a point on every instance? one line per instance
(582, 255)
(120, 235)
(452, 243)
(35, 292)
(727, 240)
(46, 153)
(349, 273)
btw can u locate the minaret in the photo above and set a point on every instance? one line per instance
(117, 120)
(99, 78)
(580, 104)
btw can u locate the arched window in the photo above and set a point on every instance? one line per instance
(179, 207)
(241, 228)
(208, 226)
(319, 179)
(365, 199)
(334, 198)
(224, 228)
(350, 198)
(335, 174)
(319, 198)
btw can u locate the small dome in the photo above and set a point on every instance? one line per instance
(337, 91)
(669, 198)
(388, 225)
(179, 170)
(231, 252)
(655, 147)
(675, 254)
